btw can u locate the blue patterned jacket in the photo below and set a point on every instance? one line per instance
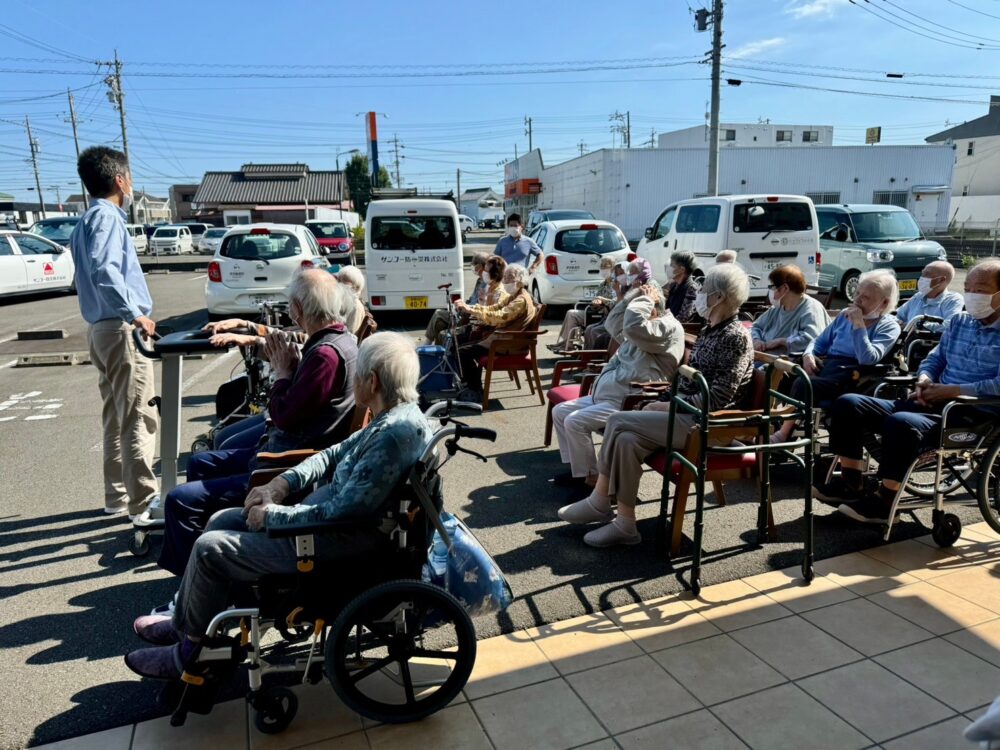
(358, 474)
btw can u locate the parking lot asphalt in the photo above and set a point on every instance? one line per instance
(70, 588)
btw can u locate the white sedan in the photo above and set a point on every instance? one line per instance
(572, 250)
(29, 263)
(255, 264)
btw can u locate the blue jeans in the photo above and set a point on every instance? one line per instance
(243, 434)
(906, 427)
(216, 480)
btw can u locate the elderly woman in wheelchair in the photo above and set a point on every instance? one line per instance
(956, 386)
(362, 472)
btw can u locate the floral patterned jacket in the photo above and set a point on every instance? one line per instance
(357, 474)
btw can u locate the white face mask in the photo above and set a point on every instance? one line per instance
(485, 276)
(874, 314)
(701, 305)
(924, 285)
(605, 273)
(514, 232)
(511, 289)
(979, 306)
(630, 278)
(620, 278)
(771, 299)
(127, 200)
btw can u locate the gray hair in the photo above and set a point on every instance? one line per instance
(990, 266)
(726, 256)
(393, 358)
(351, 276)
(607, 262)
(731, 282)
(944, 268)
(659, 304)
(320, 297)
(885, 281)
(479, 259)
(685, 260)
(517, 272)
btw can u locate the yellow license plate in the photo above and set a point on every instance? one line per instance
(415, 303)
(908, 285)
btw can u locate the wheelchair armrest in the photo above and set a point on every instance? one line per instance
(901, 379)
(285, 458)
(323, 527)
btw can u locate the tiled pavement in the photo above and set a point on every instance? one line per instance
(896, 647)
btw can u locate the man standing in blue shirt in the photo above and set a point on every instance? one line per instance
(114, 299)
(517, 248)
(965, 363)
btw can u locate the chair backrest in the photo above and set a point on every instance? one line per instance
(536, 320)
(823, 295)
(756, 391)
(361, 417)
(368, 326)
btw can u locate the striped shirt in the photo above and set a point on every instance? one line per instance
(967, 355)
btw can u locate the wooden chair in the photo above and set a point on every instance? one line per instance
(578, 362)
(368, 326)
(721, 467)
(824, 295)
(514, 352)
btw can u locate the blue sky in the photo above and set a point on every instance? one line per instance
(211, 85)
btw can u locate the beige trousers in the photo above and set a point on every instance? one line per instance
(629, 437)
(125, 379)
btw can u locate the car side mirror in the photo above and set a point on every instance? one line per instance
(648, 234)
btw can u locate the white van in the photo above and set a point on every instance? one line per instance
(765, 231)
(138, 234)
(413, 246)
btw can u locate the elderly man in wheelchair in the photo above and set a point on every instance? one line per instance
(957, 385)
(242, 547)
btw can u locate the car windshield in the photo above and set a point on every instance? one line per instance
(884, 226)
(567, 215)
(260, 246)
(214, 234)
(772, 217)
(330, 231)
(413, 233)
(165, 233)
(598, 241)
(57, 231)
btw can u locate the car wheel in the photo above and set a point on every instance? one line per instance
(849, 286)
(536, 294)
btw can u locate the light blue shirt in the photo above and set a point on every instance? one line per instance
(109, 280)
(360, 473)
(968, 355)
(944, 306)
(517, 251)
(866, 346)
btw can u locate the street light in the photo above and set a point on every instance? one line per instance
(340, 185)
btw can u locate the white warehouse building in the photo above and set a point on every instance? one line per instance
(629, 187)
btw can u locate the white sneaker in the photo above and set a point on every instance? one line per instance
(152, 516)
(165, 609)
(118, 510)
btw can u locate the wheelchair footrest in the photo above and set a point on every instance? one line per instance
(199, 686)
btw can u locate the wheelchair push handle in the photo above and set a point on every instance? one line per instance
(140, 344)
(475, 433)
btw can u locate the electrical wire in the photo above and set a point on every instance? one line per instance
(974, 10)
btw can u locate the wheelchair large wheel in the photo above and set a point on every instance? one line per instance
(401, 651)
(954, 470)
(989, 487)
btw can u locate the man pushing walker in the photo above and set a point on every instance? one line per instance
(114, 299)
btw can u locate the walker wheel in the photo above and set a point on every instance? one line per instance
(808, 573)
(200, 445)
(138, 545)
(274, 709)
(947, 530)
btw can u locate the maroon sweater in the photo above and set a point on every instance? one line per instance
(315, 383)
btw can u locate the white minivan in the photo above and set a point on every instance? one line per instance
(138, 234)
(413, 248)
(171, 239)
(765, 231)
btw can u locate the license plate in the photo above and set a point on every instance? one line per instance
(415, 303)
(259, 299)
(770, 265)
(908, 285)
(590, 292)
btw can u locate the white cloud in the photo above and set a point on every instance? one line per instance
(811, 8)
(755, 48)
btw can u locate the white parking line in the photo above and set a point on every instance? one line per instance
(10, 335)
(219, 360)
(5, 365)
(199, 276)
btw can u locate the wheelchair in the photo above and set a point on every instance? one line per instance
(395, 648)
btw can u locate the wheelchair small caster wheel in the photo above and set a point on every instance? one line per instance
(200, 445)
(274, 709)
(138, 545)
(808, 573)
(947, 530)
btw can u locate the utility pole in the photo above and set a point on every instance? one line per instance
(515, 152)
(628, 130)
(624, 128)
(701, 19)
(527, 131)
(582, 146)
(652, 138)
(33, 145)
(117, 96)
(76, 142)
(395, 144)
(458, 188)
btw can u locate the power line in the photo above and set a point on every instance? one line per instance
(16, 35)
(974, 10)
(937, 38)
(937, 23)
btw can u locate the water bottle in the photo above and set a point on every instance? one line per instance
(439, 552)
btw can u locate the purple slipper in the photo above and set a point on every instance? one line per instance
(161, 662)
(156, 629)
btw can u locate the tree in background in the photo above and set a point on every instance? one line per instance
(359, 182)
